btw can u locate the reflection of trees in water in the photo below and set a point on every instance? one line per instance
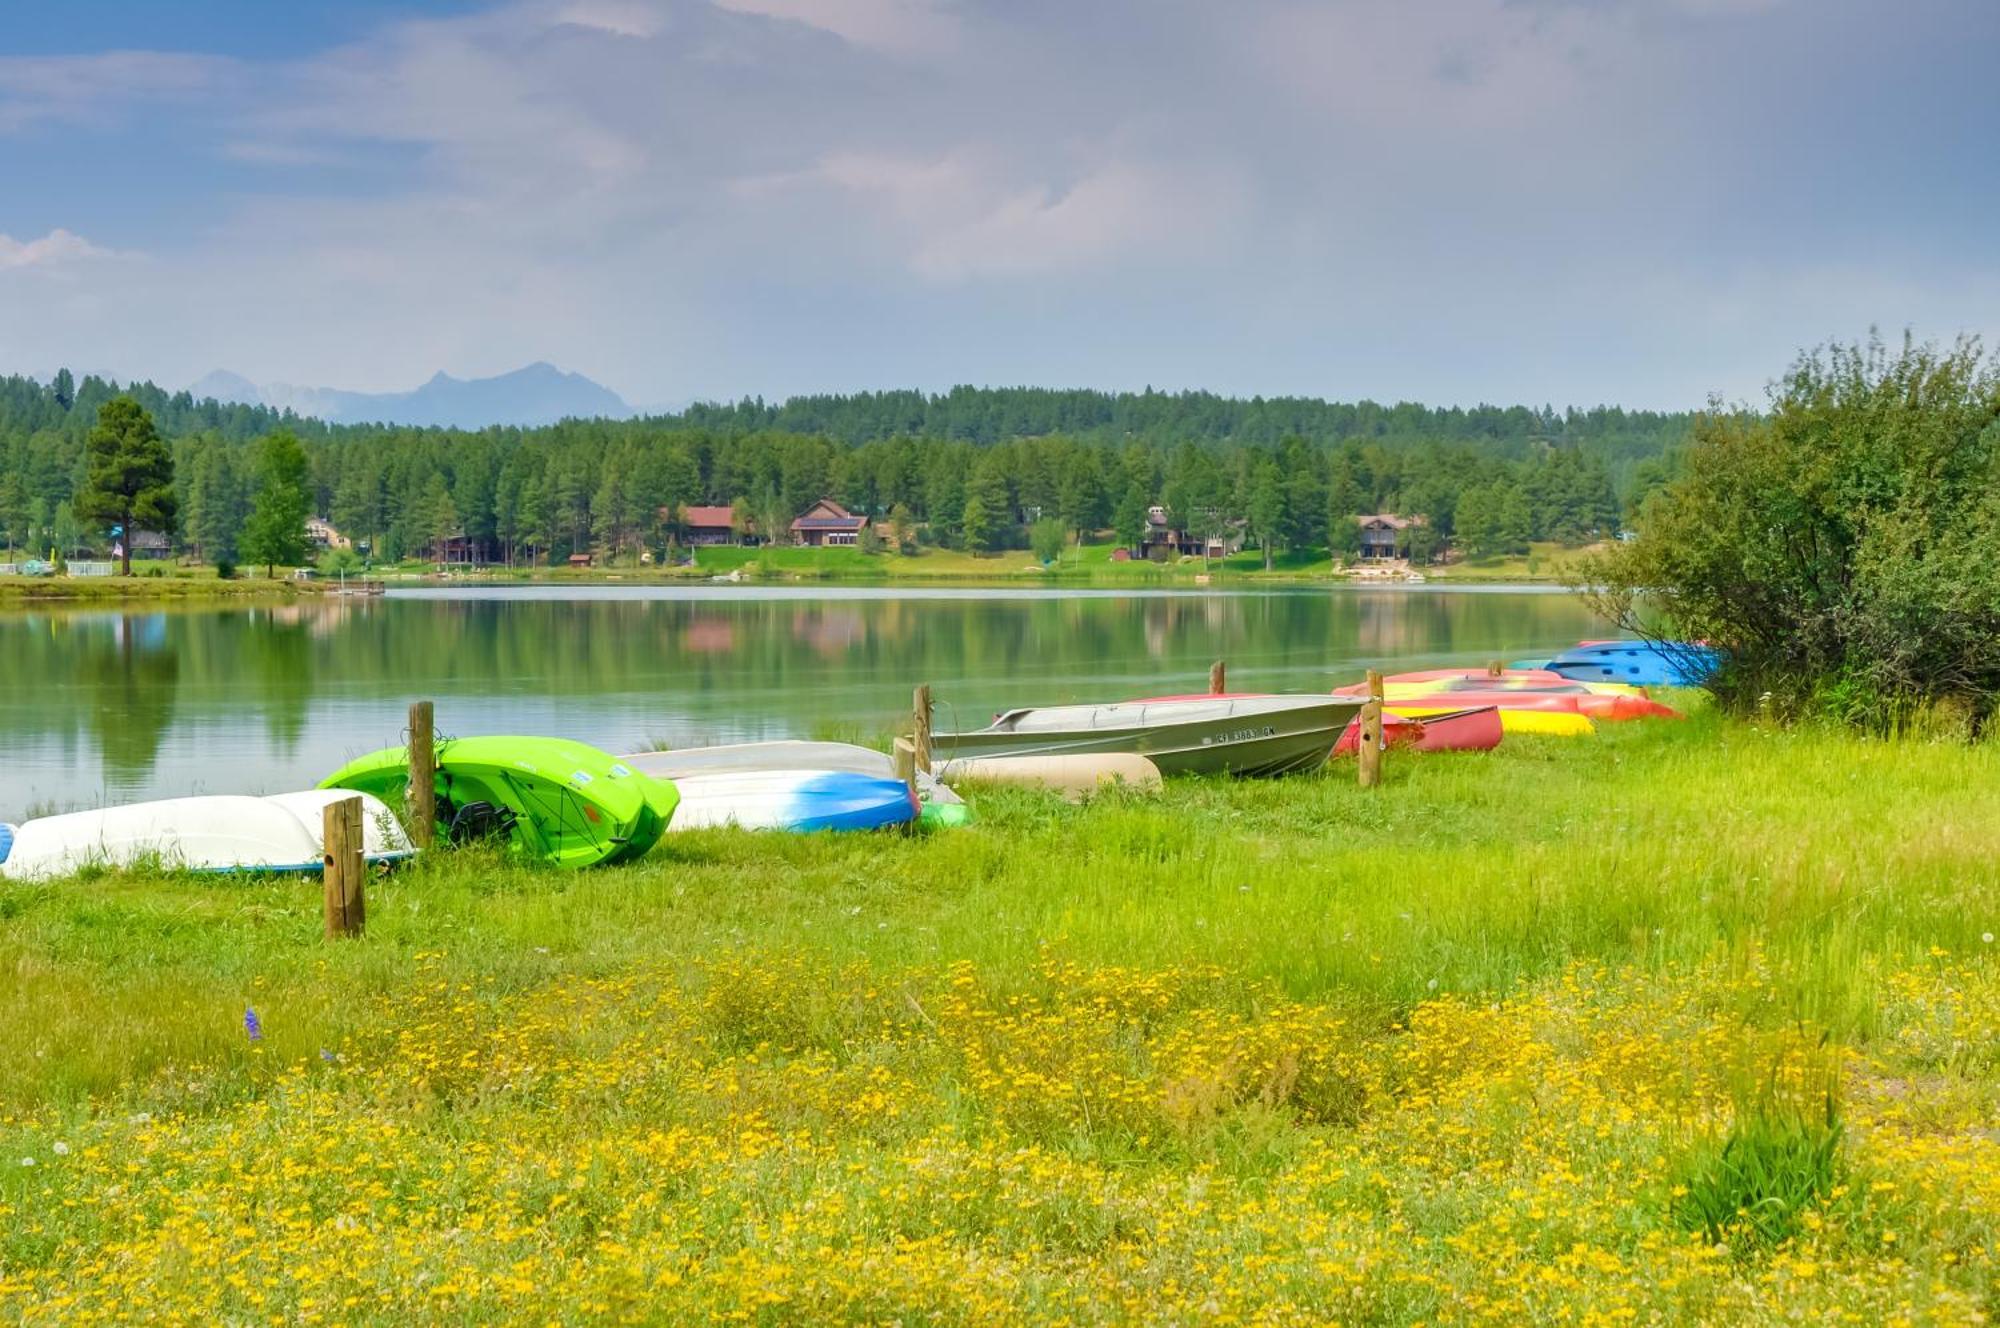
(123, 680)
(130, 672)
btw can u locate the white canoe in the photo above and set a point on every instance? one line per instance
(1072, 776)
(786, 755)
(790, 800)
(219, 833)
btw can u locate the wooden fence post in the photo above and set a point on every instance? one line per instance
(920, 726)
(342, 869)
(423, 775)
(1217, 678)
(1370, 750)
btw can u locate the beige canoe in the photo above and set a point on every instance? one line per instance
(1073, 776)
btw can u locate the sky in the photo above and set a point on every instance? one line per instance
(1574, 202)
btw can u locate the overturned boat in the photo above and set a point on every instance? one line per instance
(564, 802)
(796, 786)
(1250, 735)
(219, 833)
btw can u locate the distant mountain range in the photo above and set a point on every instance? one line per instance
(537, 394)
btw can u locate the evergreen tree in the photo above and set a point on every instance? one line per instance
(980, 529)
(63, 389)
(214, 505)
(438, 518)
(1266, 503)
(1129, 523)
(14, 510)
(276, 530)
(129, 479)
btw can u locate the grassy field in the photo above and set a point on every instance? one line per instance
(178, 583)
(1693, 1022)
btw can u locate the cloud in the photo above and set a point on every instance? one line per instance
(93, 89)
(899, 27)
(1520, 199)
(58, 248)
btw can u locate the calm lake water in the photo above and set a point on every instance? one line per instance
(112, 705)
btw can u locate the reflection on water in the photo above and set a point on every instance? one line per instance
(113, 706)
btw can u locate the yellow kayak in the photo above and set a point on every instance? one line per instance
(1553, 723)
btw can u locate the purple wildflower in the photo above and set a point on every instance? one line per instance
(253, 1026)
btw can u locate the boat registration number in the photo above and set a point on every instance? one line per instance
(1240, 735)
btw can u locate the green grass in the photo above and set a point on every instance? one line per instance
(1822, 853)
(1472, 1045)
(149, 581)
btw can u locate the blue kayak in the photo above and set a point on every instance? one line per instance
(1640, 663)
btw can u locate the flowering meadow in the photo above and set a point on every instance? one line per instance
(1697, 1025)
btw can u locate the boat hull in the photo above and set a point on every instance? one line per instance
(1256, 737)
(941, 807)
(1476, 729)
(798, 800)
(223, 834)
(1641, 663)
(573, 806)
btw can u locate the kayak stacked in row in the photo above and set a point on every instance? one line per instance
(1528, 700)
(224, 833)
(1644, 663)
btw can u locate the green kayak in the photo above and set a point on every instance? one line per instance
(569, 804)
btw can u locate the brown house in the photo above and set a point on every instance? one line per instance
(1385, 537)
(827, 523)
(710, 525)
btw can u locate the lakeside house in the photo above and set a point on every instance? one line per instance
(1385, 537)
(1162, 538)
(706, 525)
(827, 524)
(321, 534)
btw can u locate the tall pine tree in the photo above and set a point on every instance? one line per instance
(129, 476)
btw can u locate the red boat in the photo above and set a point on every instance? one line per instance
(1476, 729)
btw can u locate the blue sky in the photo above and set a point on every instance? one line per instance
(1568, 201)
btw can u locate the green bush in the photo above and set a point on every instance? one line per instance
(1843, 549)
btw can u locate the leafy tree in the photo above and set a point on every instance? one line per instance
(1477, 521)
(904, 527)
(130, 475)
(1842, 550)
(1047, 537)
(741, 521)
(275, 532)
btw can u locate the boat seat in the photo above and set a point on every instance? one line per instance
(480, 820)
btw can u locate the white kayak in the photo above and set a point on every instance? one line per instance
(219, 833)
(940, 807)
(781, 799)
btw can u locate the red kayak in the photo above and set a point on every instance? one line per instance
(1473, 730)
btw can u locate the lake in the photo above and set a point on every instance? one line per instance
(115, 705)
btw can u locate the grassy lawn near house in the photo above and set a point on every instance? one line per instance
(1692, 1022)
